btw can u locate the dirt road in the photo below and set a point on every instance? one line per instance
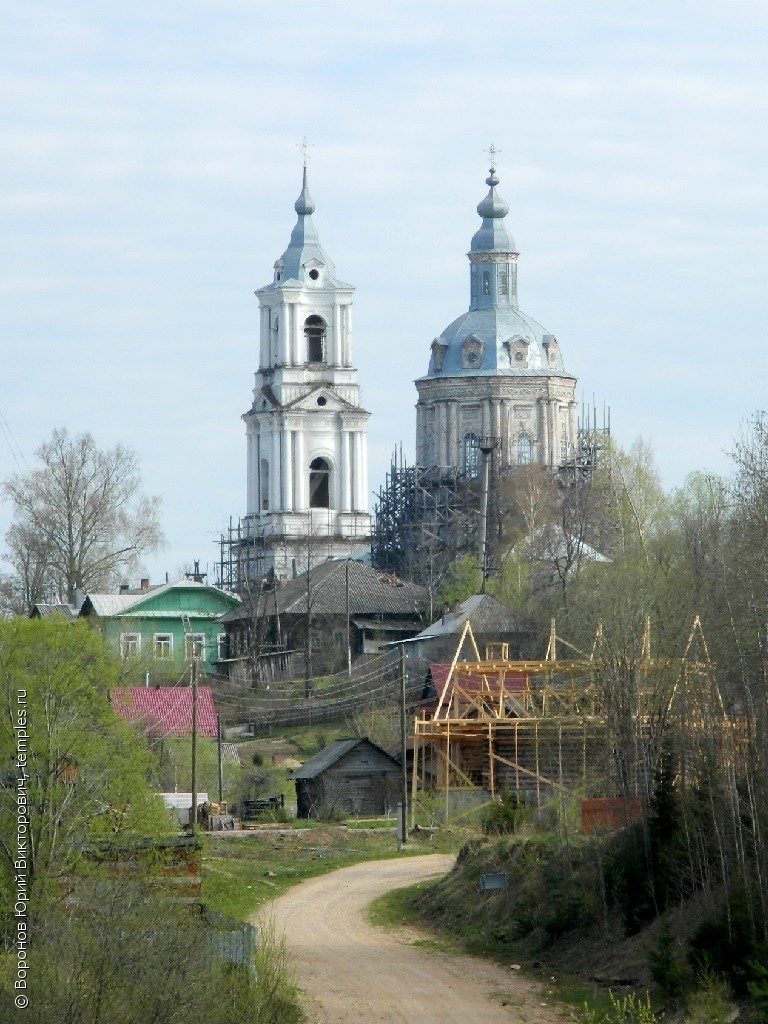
(355, 973)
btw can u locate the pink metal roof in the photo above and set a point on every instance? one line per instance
(166, 710)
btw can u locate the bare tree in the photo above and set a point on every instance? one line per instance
(80, 519)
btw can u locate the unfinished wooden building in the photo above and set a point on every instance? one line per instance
(588, 726)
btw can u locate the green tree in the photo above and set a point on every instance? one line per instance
(463, 579)
(86, 771)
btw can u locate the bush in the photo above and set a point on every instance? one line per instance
(757, 986)
(504, 815)
(668, 968)
(711, 1003)
(120, 953)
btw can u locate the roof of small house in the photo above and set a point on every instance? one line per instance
(338, 585)
(486, 614)
(54, 611)
(135, 604)
(166, 710)
(334, 752)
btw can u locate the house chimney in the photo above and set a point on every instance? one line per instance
(196, 576)
(124, 588)
(145, 583)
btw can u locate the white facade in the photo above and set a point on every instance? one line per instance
(495, 372)
(306, 431)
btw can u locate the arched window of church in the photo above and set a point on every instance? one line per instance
(264, 485)
(471, 455)
(524, 450)
(319, 484)
(314, 331)
(486, 283)
(503, 282)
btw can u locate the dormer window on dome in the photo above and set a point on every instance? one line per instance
(517, 348)
(439, 349)
(472, 354)
(553, 351)
(279, 268)
(314, 332)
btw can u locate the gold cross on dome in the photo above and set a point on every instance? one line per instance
(305, 147)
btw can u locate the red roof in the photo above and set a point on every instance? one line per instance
(166, 710)
(470, 685)
(476, 682)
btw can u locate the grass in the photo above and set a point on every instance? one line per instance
(241, 874)
(397, 909)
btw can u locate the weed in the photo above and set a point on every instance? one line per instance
(631, 1009)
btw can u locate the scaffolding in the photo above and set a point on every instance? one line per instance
(537, 728)
(425, 518)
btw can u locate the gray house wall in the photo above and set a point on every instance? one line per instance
(364, 782)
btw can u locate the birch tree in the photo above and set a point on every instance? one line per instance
(79, 518)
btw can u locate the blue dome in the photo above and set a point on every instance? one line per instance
(505, 342)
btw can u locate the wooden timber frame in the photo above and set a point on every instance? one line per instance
(537, 728)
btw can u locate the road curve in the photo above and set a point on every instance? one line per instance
(354, 973)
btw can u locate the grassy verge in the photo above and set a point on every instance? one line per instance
(241, 874)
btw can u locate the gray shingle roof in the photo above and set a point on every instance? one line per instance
(331, 754)
(486, 614)
(371, 592)
(55, 611)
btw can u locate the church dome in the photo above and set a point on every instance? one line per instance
(495, 337)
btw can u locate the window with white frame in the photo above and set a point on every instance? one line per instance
(163, 646)
(222, 646)
(194, 646)
(130, 645)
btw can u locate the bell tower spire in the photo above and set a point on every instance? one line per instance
(306, 428)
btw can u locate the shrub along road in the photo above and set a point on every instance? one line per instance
(355, 973)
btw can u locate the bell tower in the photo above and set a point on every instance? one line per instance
(306, 430)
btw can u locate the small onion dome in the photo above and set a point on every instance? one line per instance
(493, 235)
(305, 204)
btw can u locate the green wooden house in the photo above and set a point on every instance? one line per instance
(160, 631)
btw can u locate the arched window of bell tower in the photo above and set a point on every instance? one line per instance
(314, 332)
(319, 484)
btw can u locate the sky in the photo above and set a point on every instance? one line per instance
(150, 163)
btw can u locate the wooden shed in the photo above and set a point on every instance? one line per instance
(352, 776)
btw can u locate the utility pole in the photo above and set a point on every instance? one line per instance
(193, 810)
(403, 823)
(487, 446)
(349, 641)
(221, 758)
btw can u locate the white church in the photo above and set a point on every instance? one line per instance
(495, 375)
